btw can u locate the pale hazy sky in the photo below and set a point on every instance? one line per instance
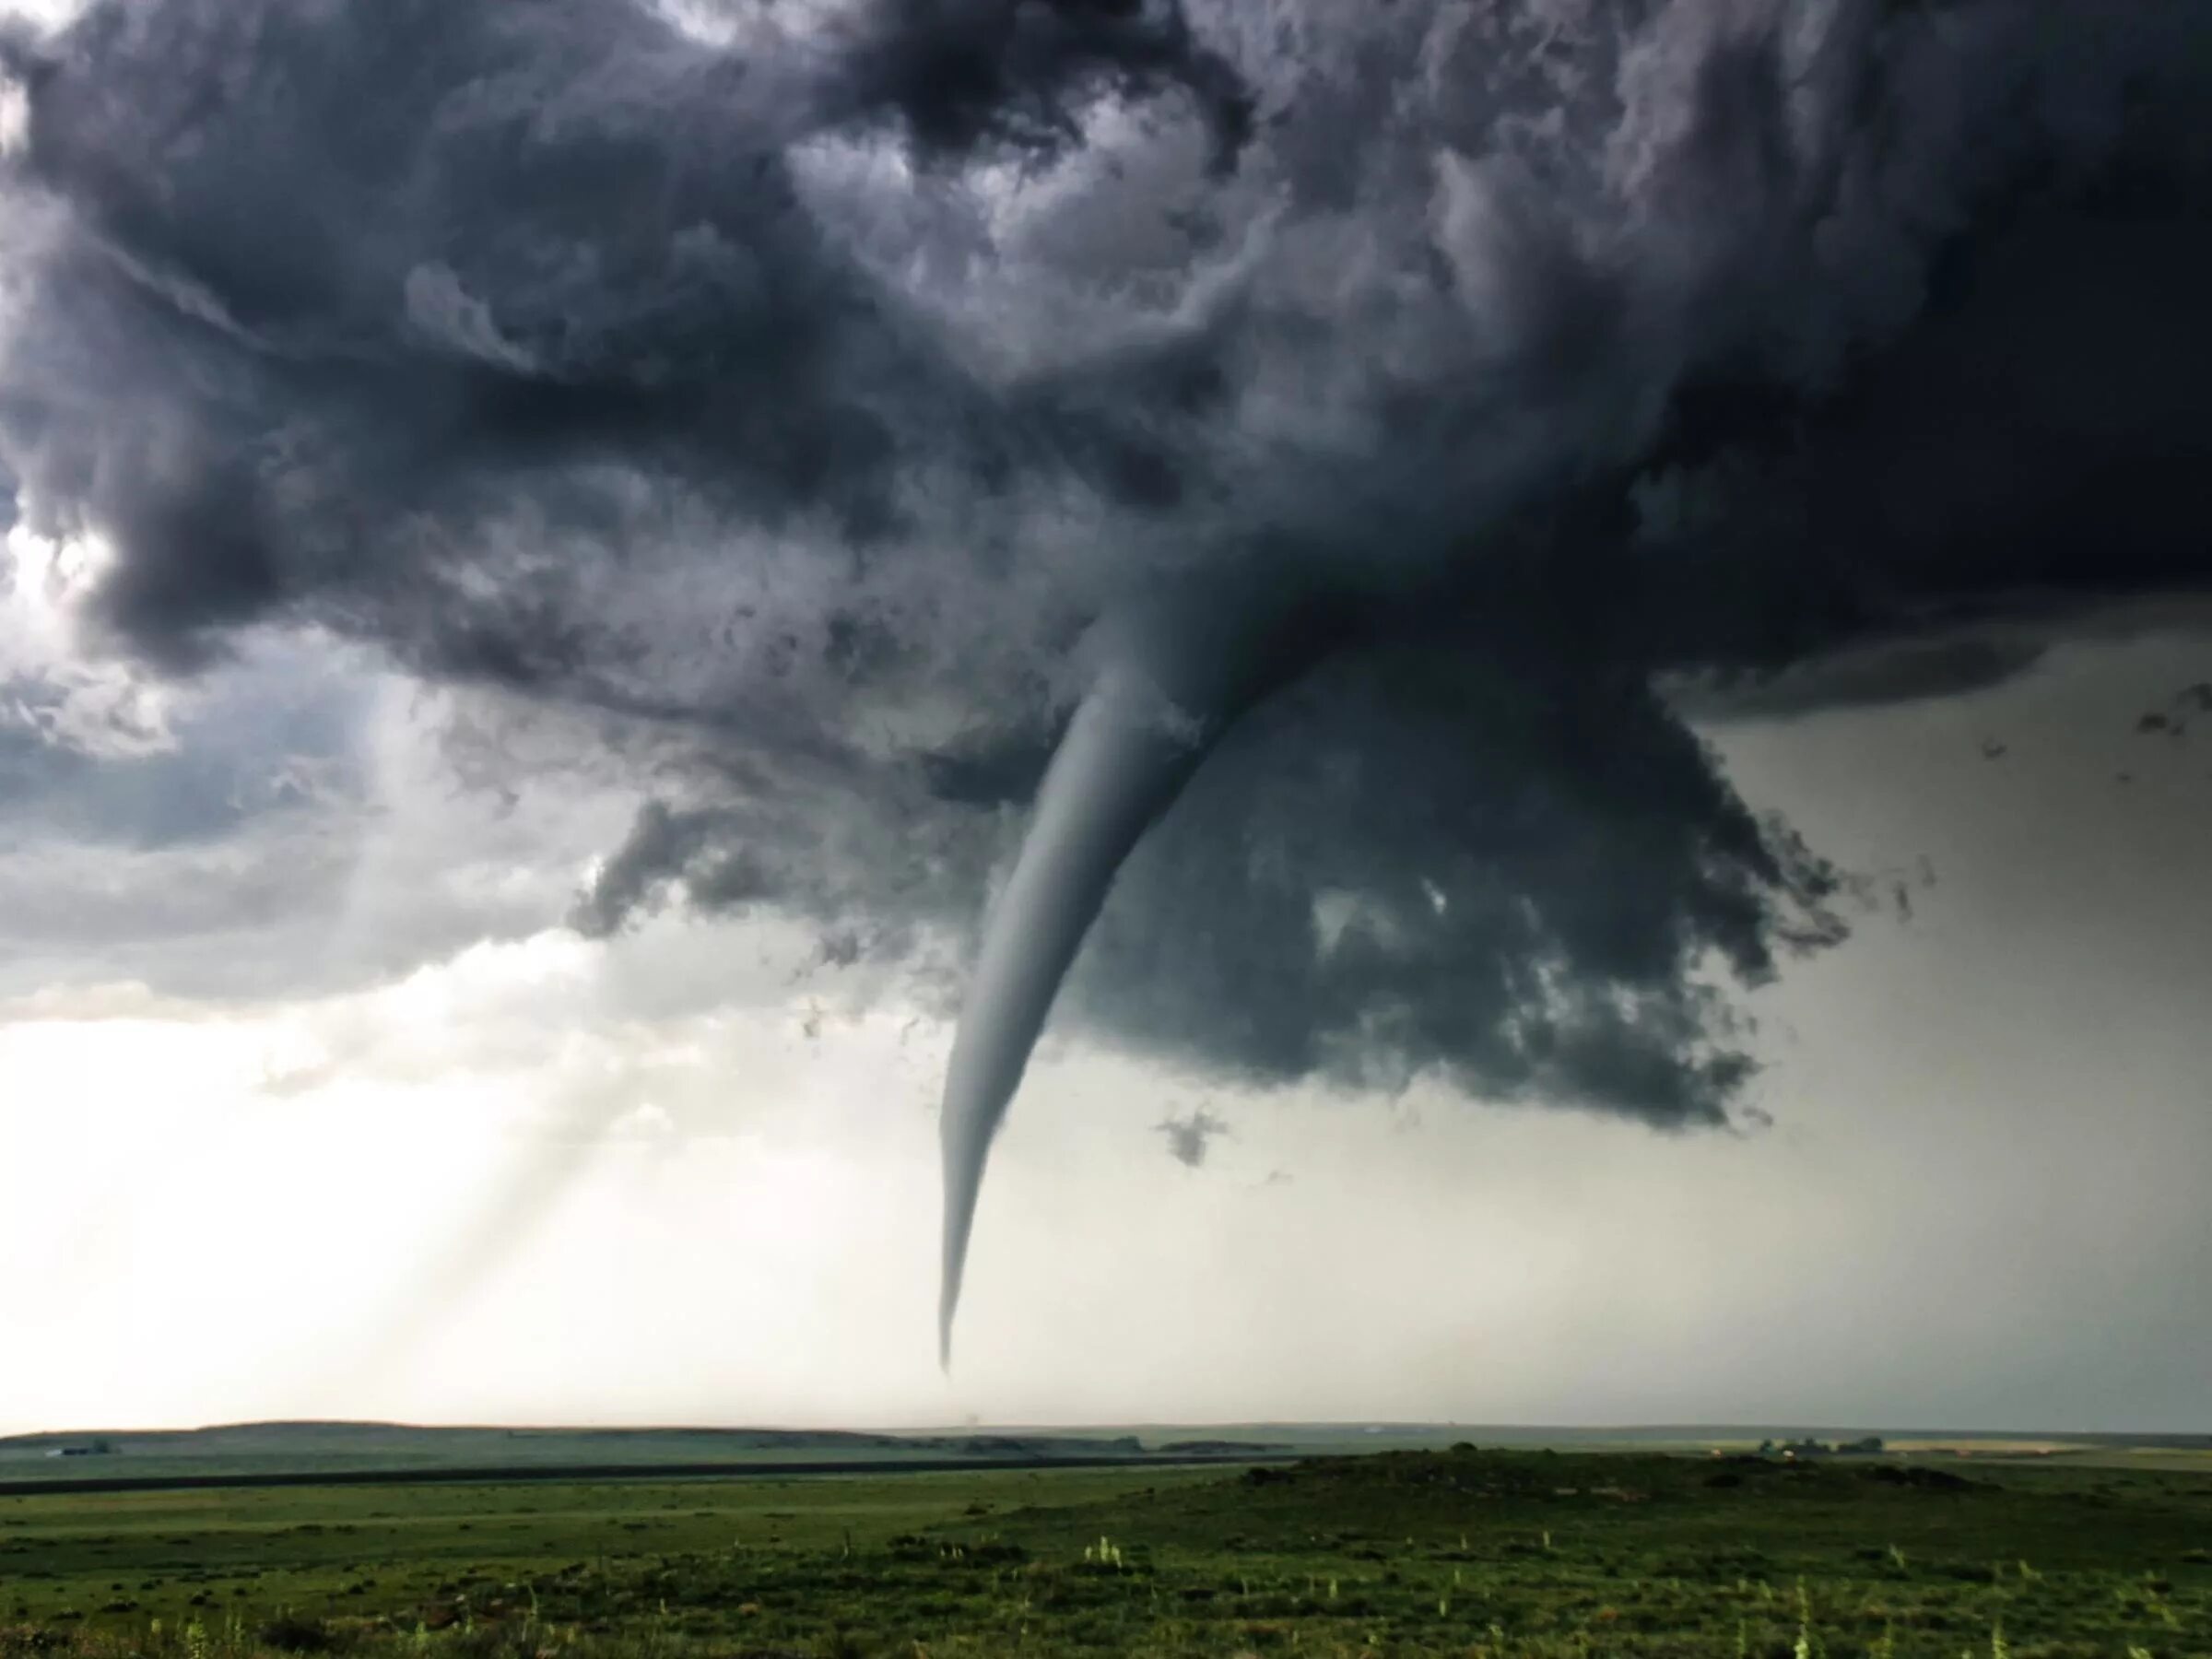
(675, 1177)
(536, 598)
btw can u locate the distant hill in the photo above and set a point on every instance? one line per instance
(367, 1451)
(270, 1450)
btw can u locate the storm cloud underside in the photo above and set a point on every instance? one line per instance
(822, 405)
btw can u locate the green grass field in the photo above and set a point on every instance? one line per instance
(1511, 1552)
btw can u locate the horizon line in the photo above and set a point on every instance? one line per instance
(1694, 1429)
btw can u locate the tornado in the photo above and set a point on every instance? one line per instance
(1169, 674)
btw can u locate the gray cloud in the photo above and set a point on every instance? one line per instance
(1192, 1137)
(793, 405)
(290, 825)
(260, 739)
(2191, 703)
(664, 846)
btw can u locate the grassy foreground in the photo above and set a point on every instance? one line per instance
(1461, 1552)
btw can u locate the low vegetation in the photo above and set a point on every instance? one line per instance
(1464, 1552)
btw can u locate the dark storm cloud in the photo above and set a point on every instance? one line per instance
(1892, 672)
(959, 72)
(800, 402)
(1278, 924)
(295, 277)
(663, 846)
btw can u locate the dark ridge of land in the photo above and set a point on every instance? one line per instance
(247, 1455)
(337, 1434)
(498, 1473)
(280, 1453)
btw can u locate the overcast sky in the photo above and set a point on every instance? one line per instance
(490, 1169)
(516, 691)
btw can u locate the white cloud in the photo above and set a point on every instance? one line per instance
(15, 118)
(45, 14)
(643, 1121)
(47, 685)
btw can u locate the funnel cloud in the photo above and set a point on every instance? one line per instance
(1206, 521)
(1120, 763)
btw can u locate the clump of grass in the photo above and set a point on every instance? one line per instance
(1806, 1646)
